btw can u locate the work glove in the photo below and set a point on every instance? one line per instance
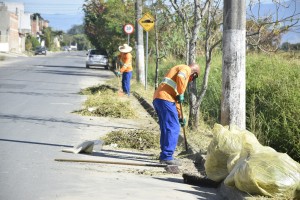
(118, 73)
(180, 98)
(182, 122)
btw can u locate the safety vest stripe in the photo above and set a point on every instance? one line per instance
(171, 83)
(181, 74)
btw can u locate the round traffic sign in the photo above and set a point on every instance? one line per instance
(128, 28)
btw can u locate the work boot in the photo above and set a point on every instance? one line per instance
(170, 162)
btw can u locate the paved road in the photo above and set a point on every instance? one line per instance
(37, 96)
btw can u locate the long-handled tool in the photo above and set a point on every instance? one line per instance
(120, 90)
(183, 128)
(169, 168)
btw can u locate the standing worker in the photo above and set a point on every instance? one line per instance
(125, 67)
(166, 101)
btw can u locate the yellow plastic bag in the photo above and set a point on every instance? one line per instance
(266, 172)
(237, 156)
(224, 145)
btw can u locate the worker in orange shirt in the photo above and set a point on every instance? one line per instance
(125, 61)
(166, 101)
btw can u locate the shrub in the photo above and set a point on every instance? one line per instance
(273, 102)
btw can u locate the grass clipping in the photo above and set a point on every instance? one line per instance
(134, 139)
(103, 101)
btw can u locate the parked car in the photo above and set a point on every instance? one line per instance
(97, 57)
(40, 50)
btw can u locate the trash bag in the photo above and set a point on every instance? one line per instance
(224, 149)
(266, 172)
(237, 157)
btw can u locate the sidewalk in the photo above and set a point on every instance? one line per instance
(11, 54)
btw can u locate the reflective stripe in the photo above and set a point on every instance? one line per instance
(182, 75)
(171, 83)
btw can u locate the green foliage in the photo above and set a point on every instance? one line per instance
(28, 44)
(104, 21)
(288, 47)
(31, 43)
(48, 37)
(76, 29)
(211, 104)
(273, 102)
(82, 42)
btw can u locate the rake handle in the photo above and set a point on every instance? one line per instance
(183, 128)
(110, 162)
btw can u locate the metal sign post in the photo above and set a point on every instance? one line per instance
(147, 22)
(146, 67)
(128, 28)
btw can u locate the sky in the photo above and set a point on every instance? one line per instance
(63, 14)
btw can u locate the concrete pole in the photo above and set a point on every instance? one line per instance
(140, 54)
(233, 105)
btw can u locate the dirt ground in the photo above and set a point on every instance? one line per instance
(192, 162)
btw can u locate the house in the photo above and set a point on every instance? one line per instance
(14, 26)
(38, 24)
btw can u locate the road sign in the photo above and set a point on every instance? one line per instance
(147, 22)
(128, 28)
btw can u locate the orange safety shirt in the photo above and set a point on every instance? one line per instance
(126, 62)
(173, 84)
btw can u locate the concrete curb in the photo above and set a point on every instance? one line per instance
(230, 193)
(147, 106)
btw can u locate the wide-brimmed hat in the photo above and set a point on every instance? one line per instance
(125, 48)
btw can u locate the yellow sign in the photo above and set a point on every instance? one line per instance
(147, 22)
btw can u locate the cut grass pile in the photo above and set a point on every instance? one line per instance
(103, 101)
(135, 139)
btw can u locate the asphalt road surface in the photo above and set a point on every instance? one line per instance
(37, 97)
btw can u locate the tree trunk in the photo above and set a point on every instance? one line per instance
(140, 59)
(194, 106)
(233, 111)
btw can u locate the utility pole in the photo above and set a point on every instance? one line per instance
(233, 105)
(140, 60)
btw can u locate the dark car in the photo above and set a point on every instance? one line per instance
(40, 51)
(97, 57)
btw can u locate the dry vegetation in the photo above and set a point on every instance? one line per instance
(104, 100)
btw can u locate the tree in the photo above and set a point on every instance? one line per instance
(265, 27)
(286, 46)
(76, 29)
(208, 11)
(191, 17)
(31, 43)
(47, 36)
(36, 16)
(104, 21)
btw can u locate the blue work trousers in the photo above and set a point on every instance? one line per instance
(169, 127)
(126, 76)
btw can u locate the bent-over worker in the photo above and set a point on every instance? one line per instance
(166, 101)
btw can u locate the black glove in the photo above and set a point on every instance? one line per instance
(180, 98)
(182, 122)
